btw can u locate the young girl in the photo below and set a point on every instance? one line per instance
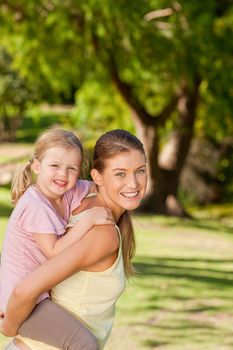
(38, 222)
(102, 259)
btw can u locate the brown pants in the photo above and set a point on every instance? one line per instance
(52, 324)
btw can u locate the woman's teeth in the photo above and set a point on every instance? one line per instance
(130, 194)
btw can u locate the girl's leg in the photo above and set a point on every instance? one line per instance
(12, 346)
(17, 344)
(52, 324)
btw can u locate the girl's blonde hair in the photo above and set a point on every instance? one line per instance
(109, 145)
(48, 139)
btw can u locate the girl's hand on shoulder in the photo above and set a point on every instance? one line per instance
(99, 216)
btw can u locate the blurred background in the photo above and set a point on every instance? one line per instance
(164, 71)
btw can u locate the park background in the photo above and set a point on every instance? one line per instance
(164, 71)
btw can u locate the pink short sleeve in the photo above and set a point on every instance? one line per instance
(40, 217)
(78, 193)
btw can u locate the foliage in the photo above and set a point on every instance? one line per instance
(225, 172)
(14, 96)
(152, 53)
(96, 111)
(68, 51)
(39, 117)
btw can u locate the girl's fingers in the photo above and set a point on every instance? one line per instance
(111, 222)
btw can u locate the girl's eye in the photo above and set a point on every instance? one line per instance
(72, 168)
(54, 165)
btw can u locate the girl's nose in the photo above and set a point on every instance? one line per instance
(63, 171)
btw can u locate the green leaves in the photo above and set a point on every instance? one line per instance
(58, 45)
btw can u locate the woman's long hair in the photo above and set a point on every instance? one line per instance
(109, 145)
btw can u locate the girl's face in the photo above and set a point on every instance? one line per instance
(57, 171)
(122, 184)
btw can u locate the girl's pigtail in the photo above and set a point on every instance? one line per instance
(21, 181)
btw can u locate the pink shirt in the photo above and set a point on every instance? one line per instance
(33, 214)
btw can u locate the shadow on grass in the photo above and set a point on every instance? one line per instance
(210, 224)
(5, 205)
(186, 326)
(149, 266)
(5, 210)
(154, 343)
(187, 310)
(204, 224)
(171, 334)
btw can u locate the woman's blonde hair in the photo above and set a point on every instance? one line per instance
(48, 139)
(109, 145)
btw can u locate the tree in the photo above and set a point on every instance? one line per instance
(170, 61)
(14, 96)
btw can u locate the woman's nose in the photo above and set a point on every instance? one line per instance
(133, 183)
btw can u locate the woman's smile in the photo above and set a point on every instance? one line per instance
(132, 195)
(122, 184)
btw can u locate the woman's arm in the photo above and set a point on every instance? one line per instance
(99, 243)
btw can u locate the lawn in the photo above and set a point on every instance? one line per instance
(181, 297)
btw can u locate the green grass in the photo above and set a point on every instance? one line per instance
(4, 159)
(181, 298)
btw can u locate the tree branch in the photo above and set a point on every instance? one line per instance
(127, 93)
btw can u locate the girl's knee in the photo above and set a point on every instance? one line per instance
(91, 344)
(85, 342)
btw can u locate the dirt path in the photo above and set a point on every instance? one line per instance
(10, 156)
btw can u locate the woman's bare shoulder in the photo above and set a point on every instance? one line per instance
(106, 235)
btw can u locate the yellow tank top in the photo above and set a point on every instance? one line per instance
(91, 297)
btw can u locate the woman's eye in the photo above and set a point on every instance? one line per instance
(141, 171)
(54, 165)
(120, 174)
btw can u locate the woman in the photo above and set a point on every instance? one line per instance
(102, 257)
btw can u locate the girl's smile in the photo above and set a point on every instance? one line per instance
(57, 171)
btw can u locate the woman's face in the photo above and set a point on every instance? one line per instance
(123, 181)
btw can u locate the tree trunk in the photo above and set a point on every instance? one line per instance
(167, 166)
(149, 137)
(164, 169)
(161, 195)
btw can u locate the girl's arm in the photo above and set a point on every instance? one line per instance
(99, 243)
(50, 245)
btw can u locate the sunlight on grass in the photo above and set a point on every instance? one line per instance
(181, 296)
(221, 214)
